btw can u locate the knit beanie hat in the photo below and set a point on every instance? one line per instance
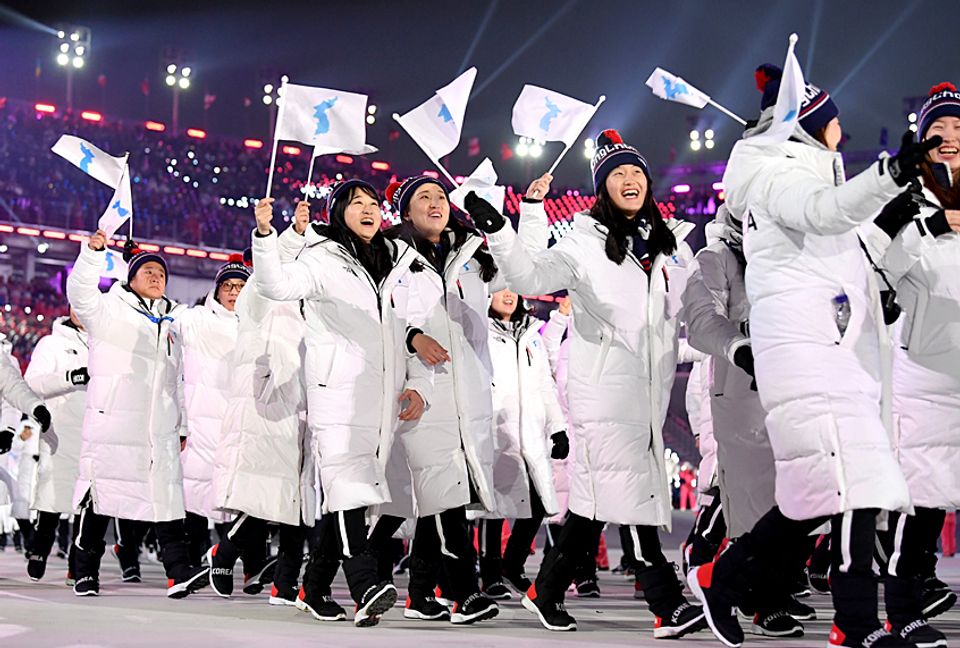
(611, 153)
(342, 189)
(944, 101)
(816, 108)
(136, 258)
(234, 268)
(400, 193)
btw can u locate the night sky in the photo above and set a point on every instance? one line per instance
(868, 54)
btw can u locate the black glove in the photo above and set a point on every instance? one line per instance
(743, 358)
(484, 215)
(36, 458)
(42, 414)
(561, 445)
(891, 309)
(905, 165)
(897, 213)
(78, 376)
(6, 441)
(937, 224)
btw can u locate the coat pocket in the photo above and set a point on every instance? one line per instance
(606, 339)
(320, 363)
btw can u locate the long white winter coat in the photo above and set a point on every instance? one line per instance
(822, 390)
(558, 353)
(926, 368)
(623, 354)
(356, 363)
(717, 314)
(17, 398)
(451, 449)
(265, 463)
(130, 452)
(54, 357)
(209, 337)
(697, 401)
(526, 413)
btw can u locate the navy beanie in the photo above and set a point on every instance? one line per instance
(400, 193)
(611, 153)
(816, 109)
(944, 101)
(136, 258)
(235, 268)
(342, 190)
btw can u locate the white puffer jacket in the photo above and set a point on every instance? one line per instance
(54, 357)
(356, 362)
(265, 465)
(623, 355)
(526, 413)
(822, 390)
(209, 336)
(717, 312)
(17, 398)
(926, 370)
(451, 447)
(697, 401)
(130, 453)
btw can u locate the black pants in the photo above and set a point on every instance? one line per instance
(26, 532)
(44, 533)
(343, 539)
(513, 557)
(129, 535)
(198, 535)
(761, 561)
(706, 536)
(89, 544)
(908, 544)
(586, 568)
(381, 542)
(245, 538)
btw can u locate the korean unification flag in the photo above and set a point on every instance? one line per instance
(435, 125)
(331, 119)
(786, 112)
(119, 209)
(114, 267)
(91, 160)
(542, 114)
(366, 149)
(483, 181)
(673, 88)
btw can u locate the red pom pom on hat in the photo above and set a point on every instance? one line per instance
(236, 257)
(608, 137)
(940, 87)
(391, 190)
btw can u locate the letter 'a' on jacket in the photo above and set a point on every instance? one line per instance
(926, 360)
(356, 362)
(526, 412)
(265, 464)
(209, 336)
(823, 390)
(623, 353)
(54, 357)
(130, 449)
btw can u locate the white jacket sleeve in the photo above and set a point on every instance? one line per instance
(799, 199)
(42, 375)
(553, 336)
(425, 295)
(290, 244)
(281, 281)
(906, 250)
(706, 307)
(83, 289)
(556, 421)
(533, 274)
(533, 228)
(15, 390)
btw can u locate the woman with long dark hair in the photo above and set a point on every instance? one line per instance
(621, 265)
(360, 292)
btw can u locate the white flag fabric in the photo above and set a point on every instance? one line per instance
(114, 267)
(91, 160)
(786, 112)
(542, 114)
(435, 125)
(366, 149)
(483, 181)
(672, 88)
(332, 119)
(119, 209)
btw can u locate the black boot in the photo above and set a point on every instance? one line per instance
(315, 595)
(675, 617)
(904, 603)
(545, 596)
(421, 602)
(285, 578)
(855, 622)
(491, 575)
(87, 576)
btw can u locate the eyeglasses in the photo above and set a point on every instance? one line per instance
(232, 286)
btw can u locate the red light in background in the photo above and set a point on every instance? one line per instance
(149, 247)
(52, 234)
(197, 133)
(219, 256)
(90, 115)
(200, 254)
(28, 231)
(292, 150)
(380, 166)
(170, 249)
(253, 143)
(344, 159)
(45, 108)
(155, 126)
